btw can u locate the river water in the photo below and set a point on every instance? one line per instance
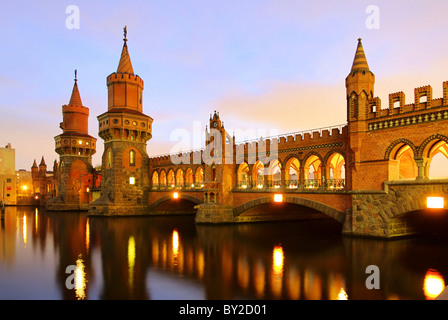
(72, 256)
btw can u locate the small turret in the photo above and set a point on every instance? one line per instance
(360, 86)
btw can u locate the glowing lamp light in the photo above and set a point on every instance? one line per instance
(278, 198)
(24, 187)
(278, 258)
(176, 195)
(433, 284)
(131, 180)
(435, 202)
(79, 141)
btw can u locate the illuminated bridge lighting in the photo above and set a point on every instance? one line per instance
(80, 279)
(278, 198)
(278, 257)
(433, 284)
(131, 260)
(435, 202)
(175, 242)
(342, 295)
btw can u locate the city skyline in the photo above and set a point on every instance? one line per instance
(261, 64)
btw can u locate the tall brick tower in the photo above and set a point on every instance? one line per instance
(360, 89)
(75, 148)
(125, 131)
(218, 174)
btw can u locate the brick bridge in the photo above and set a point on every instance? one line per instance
(367, 174)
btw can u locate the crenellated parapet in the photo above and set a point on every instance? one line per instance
(423, 109)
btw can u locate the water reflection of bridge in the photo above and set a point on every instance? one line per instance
(115, 259)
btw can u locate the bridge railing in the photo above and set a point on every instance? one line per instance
(293, 185)
(178, 186)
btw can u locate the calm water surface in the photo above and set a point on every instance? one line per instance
(73, 256)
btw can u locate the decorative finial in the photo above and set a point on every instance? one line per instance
(359, 39)
(125, 33)
(76, 75)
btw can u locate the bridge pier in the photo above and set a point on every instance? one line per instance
(214, 213)
(382, 214)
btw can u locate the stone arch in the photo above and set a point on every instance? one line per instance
(317, 174)
(325, 209)
(330, 153)
(170, 197)
(402, 155)
(257, 174)
(132, 158)
(162, 178)
(433, 155)
(396, 143)
(290, 156)
(199, 173)
(335, 171)
(426, 145)
(155, 179)
(274, 173)
(292, 162)
(242, 172)
(189, 177)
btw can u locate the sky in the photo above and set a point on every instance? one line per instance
(264, 65)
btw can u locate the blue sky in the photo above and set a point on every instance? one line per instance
(263, 64)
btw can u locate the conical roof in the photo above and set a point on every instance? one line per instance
(125, 65)
(75, 99)
(360, 61)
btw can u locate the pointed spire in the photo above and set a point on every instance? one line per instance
(360, 61)
(34, 164)
(42, 162)
(75, 99)
(125, 65)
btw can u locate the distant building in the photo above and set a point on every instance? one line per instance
(8, 175)
(44, 183)
(75, 178)
(24, 187)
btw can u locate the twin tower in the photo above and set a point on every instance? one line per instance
(125, 130)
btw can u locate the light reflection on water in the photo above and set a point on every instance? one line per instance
(172, 258)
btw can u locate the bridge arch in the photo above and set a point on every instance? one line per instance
(397, 144)
(335, 170)
(312, 169)
(155, 179)
(404, 153)
(435, 150)
(325, 209)
(292, 171)
(242, 172)
(188, 197)
(425, 148)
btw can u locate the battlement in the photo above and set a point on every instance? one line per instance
(127, 77)
(75, 108)
(303, 139)
(423, 100)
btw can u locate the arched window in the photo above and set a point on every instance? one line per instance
(132, 158)
(335, 171)
(109, 158)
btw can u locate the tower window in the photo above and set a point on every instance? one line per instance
(109, 158)
(132, 158)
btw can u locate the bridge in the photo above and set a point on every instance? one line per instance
(368, 174)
